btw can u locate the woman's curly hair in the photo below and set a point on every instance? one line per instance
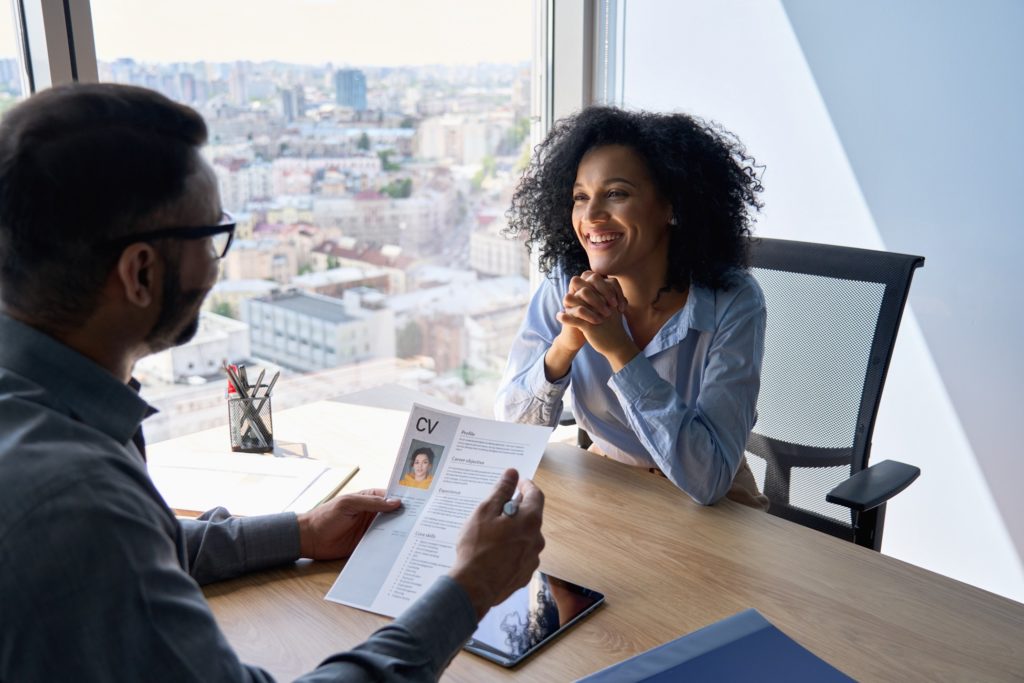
(702, 169)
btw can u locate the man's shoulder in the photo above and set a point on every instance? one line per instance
(51, 464)
(34, 421)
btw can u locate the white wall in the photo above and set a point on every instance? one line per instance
(740, 63)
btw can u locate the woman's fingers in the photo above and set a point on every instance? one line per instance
(616, 289)
(589, 298)
(570, 320)
(608, 287)
(586, 313)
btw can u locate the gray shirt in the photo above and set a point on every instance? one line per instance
(99, 581)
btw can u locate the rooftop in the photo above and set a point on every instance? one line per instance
(337, 276)
(462, 298)
(245, 286)
(323, 307)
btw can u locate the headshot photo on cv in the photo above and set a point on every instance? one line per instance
(423, 461)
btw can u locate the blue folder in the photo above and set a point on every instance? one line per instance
(744, 647)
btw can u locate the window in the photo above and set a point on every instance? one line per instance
(10, 65)
(362, 147)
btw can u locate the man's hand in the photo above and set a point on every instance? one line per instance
(497, 554)
(332, 530)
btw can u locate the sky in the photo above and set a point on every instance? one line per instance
(356, 32)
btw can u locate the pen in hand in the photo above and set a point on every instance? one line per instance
(512, 506)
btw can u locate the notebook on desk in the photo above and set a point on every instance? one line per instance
(244, 483)
(744, 647)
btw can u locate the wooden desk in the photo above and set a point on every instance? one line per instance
(668, 567)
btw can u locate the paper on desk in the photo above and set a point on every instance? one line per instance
(404, 552)
(244, 483)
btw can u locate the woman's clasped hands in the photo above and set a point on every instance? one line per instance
(592, 314)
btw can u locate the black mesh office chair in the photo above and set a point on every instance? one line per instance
(833, 315)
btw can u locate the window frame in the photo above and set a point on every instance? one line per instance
(55, 43)
(577, 51)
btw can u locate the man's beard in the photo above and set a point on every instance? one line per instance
(172, 327)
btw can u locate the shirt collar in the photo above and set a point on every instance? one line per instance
(701, 307)
(87, 391)
(698, 313)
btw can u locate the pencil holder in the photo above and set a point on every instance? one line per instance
(251, 425)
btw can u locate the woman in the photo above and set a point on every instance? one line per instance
(420, 473)
(640, 222)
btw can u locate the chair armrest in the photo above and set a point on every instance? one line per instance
(567, 418)
(873, 486)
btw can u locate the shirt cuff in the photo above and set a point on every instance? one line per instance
(548, 392)
(270, 540)
(634, 380)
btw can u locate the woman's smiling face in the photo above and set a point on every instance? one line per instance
(618, 216)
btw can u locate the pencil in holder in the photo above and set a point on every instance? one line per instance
(251, 424)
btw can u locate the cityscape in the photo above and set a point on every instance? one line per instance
(369, 249)
(10, 84)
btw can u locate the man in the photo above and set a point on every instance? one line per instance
(110, 232)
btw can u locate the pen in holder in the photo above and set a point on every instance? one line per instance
(250, 419)
(251, 424)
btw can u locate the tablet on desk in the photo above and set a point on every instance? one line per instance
(530, 618)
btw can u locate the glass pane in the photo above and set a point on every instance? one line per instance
(368, 151)
(10, 69)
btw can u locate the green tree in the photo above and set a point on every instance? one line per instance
(514, 137)
(467, 373)
(224, 308)
(409, 340)
(477, 180)
(364, 142)
(488, 166)
(400, 188)
(385, 160)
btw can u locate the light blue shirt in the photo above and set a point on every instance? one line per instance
(686, 404)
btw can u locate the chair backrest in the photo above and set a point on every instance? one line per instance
(833, 315)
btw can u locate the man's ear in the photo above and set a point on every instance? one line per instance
(137, 273)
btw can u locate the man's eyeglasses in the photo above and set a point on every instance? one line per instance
(221, 235)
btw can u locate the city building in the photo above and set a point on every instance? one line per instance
(289, 107)
(242, 181)
(465, 324)
(285, 209)
(492, 253)
(350, 88)
(462, 139)
(335, 281)
(489, 334)
(413, 223)
(347, 251)
(302, 176)
(218, 339)
(228, 297)
(262, 259)
(308, 332)
(237, 86)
